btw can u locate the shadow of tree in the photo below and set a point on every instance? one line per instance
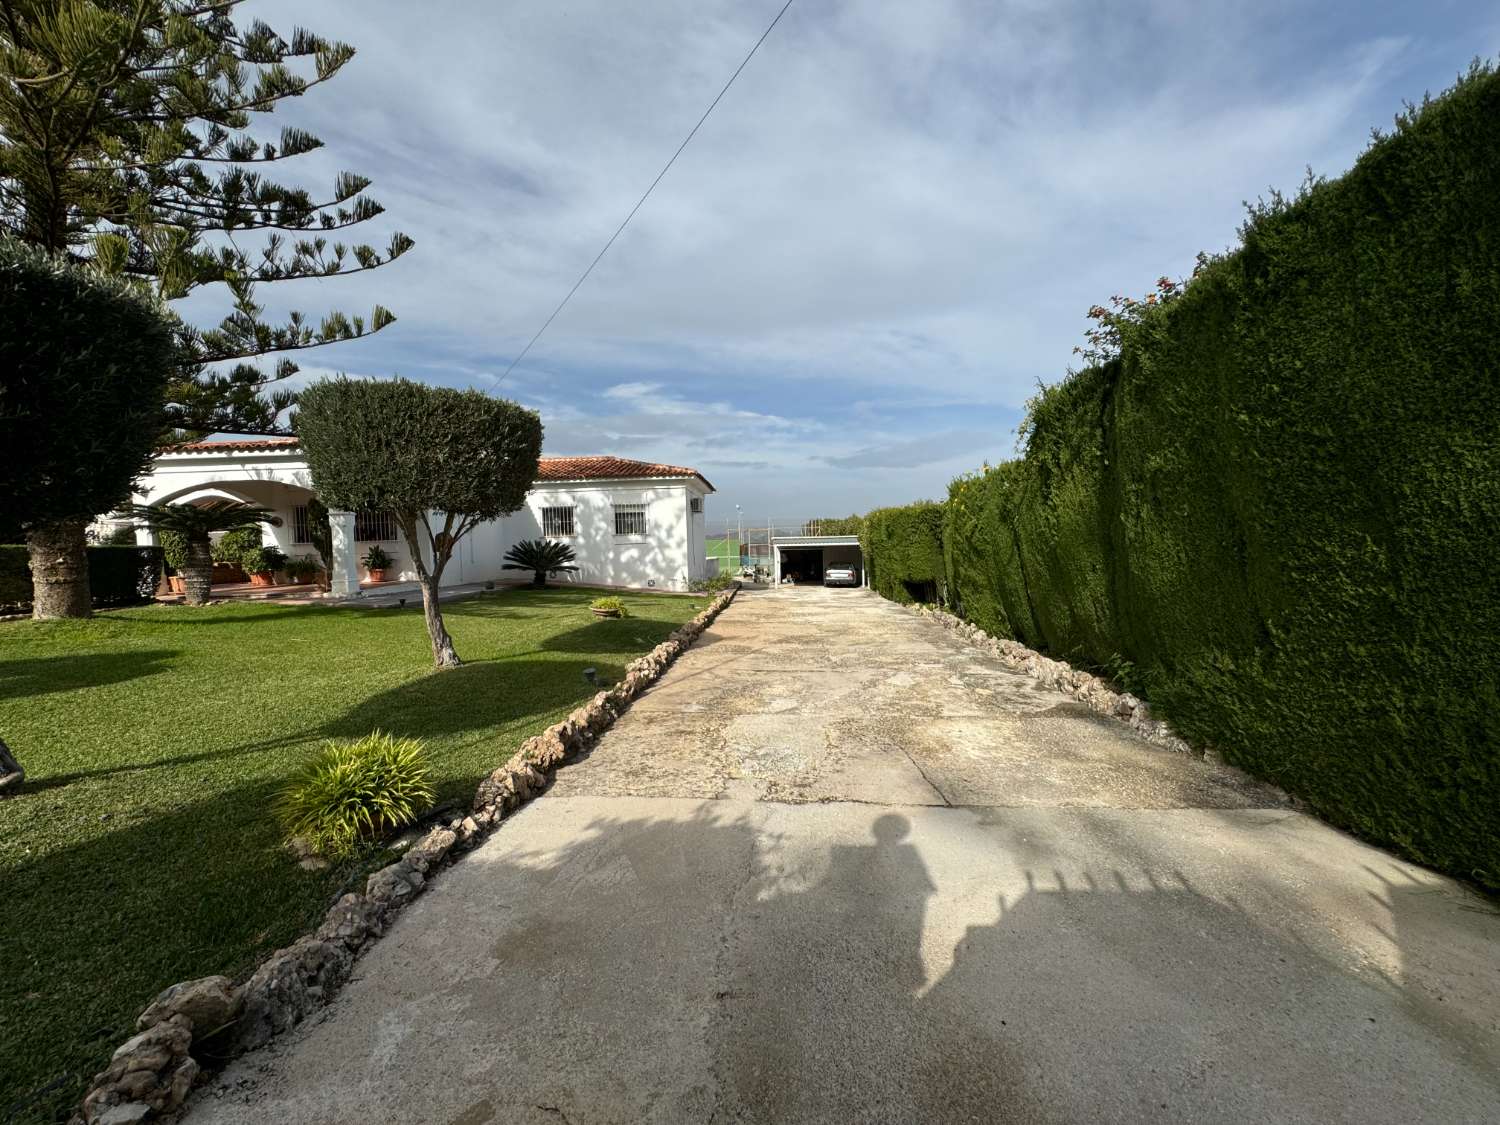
(481, 694)
(38, 785)
(233, 614)
(612, 635)
(92, 932)
(45, 674)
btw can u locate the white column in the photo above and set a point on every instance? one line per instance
(344, 580)
(775, 565)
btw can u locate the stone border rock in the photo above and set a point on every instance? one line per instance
(150, 1075)
(1083, 686)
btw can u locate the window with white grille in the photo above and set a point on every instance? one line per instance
(375, 527)
(301, 525)
(630, 519)
(695, 504)
(558, 523)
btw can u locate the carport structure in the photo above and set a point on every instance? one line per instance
(804, 558)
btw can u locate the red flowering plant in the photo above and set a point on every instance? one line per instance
(1105, 337)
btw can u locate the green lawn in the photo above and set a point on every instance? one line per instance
(143, 851)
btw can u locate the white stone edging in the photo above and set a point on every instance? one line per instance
(150, 1075)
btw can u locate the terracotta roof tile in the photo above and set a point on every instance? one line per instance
(609, 468)
(548, 469)
(236, 445)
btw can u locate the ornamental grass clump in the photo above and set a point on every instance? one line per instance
(609, 607)
(355, 791)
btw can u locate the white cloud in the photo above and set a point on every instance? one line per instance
(887, 232)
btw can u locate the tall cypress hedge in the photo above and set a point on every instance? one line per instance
(903, 550)
(1278, 513)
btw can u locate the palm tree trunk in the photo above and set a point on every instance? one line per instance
(443, 654)
(539, 579)
(59, 571)
(197, 572)
(11, 773)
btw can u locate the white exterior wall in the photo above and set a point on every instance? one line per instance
(277, 481)
(668, 557)
(665, 558)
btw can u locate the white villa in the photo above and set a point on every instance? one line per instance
(632, 524)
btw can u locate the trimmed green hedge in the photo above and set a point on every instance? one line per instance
(903, 551)
(117, 575)
(15, 576)
(1277, 514)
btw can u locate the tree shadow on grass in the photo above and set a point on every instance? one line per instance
(164, 891)
(484, 693)
(214, 615)
(634, 635)
(42, 675)
(39, 784)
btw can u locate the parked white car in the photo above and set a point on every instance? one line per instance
(840, 576)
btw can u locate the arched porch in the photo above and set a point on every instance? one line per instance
(285, 494)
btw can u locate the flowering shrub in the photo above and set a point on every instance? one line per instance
(1112, 324)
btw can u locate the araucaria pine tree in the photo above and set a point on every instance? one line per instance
(125, 142)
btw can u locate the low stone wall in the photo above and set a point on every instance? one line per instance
(150, 1075)
(1083, 686)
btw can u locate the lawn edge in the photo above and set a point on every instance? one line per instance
(150, 1075)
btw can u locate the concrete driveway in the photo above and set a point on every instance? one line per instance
(839, 866)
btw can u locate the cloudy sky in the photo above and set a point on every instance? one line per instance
(885, 236)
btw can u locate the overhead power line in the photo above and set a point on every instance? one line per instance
(665, 169)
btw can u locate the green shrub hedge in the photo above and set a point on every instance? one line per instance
(15, 577)
(1277, 514)
(117, 575)
(903, 551)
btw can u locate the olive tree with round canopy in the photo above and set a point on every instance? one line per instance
(442, 460)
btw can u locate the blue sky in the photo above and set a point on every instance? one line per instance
(885, 237)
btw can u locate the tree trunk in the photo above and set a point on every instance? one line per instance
(443, 654)
(11, 773)
(197, 572)
(59, 571)
(539, 579)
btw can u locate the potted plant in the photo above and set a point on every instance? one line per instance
(608, 607)
(261, 564)
(233, 554)
(302, 569)
(376, 563)
(174, 554)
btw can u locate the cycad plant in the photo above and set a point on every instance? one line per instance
(540, 556)
(195, 523)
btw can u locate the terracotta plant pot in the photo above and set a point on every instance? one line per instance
(263, 578)
(377, 575)
(174, 583)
